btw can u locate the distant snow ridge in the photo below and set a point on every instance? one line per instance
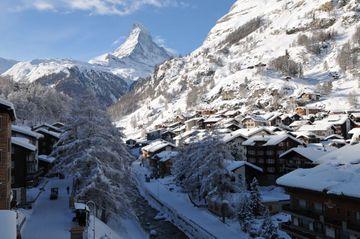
(136, 57)
(6, 64)
(72, 77)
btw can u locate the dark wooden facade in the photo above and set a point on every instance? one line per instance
(19, 174)
(47, 143)
(294, 160)
(321, 215)
(7, 115)
(267, 158)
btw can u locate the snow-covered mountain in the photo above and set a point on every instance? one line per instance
(258, 56)
(6, 64)
(71, 77)
(136, 57)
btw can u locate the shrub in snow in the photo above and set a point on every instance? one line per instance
(268, 229)
(243, 31)
(287, 66)
(92, 151)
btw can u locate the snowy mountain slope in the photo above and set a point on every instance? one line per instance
(71, 77)
(6, 64)
(136, 57)
(234, 67)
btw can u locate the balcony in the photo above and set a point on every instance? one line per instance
(301, 212)
(298, 231)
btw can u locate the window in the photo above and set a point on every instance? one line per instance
(318, 207)
(270, 161)
(302, 203)
(330, 232)
(261, 160)
(358, 216)
(271, 170)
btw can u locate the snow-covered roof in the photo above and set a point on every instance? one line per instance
(157, 145)
(311, 153)
(356, 115)
(273, 194)
(333, 136)
(233, 135)
(26, 130)
(213, 120)
(10, 107)
(23, 142)
(48, 132)
(258, 118)
(354, 131)
(48, 126)
(8, 228)
(232, 165)
(166, 155)
(46, 158)
(335, 119)
(338, 173)
(298, 123)
(270, 140)
(315, 127)
(81, 206)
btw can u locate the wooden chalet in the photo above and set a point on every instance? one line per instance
(7, 116)
(24, 169)
(244, 171)
(264, 151)
(49, 140)
(302, 157)
(156, 147)
(325, 200)
(46, 163)
(253, 121)
(307, 110)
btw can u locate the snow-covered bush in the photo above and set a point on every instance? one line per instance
(287, 66)
(243, 31)
(91, 150)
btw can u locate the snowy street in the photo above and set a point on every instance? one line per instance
(50, 218)
(196, 222)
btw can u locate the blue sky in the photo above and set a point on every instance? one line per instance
(82, 29)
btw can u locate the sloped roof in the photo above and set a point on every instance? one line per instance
(24, 143)
(311, 153)
(26, 130)
(233, 165)
(269, 140)
(157, 145)
(338, 173)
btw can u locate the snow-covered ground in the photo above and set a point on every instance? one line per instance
(50, 218)
(53, 218)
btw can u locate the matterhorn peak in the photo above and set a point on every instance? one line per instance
(136, 57)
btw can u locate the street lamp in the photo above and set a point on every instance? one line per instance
(94, 208)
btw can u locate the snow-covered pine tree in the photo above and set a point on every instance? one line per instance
(245, 214)
(91, 151)
(200, 169)
(255, 198)
(268, 228)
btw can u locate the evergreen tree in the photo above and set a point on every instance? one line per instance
(255, 198)
(268, 228)
(92, 152)
(245, 215)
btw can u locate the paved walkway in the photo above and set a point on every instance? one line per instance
(50, 219)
